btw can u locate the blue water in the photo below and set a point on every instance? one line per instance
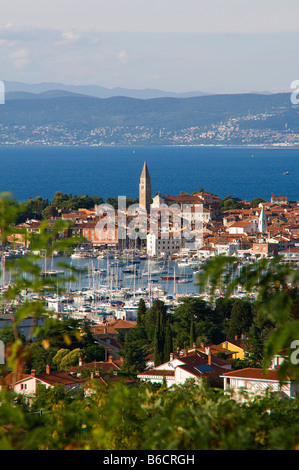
(115, 171)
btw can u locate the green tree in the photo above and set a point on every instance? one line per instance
(192, 334)
(168, 344)
(70, 359)
(49, 212)
(141, 311)
(159, 340)
(230, 202)
(241, 319)
(61, 353)
(151, 318)
(135, 351)
(255, 346)
(256, 201)
(93, 352)
(206, 322)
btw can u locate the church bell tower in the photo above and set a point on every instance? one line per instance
(145, 190)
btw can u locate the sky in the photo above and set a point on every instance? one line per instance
(214, 46)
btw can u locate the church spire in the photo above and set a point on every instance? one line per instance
(262, 224)
(145, 189)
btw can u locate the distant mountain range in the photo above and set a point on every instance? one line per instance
(96, 91)
(61, 116)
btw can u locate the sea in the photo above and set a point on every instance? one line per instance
(245, 173)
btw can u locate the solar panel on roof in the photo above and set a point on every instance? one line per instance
(204, 368)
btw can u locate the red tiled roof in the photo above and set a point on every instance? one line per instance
(184, 198)
(158, 373)
(10, 379)
(58, 377)
(253, 373)
(112, 327)
(241, 223)
(191, 364)
(104, 366)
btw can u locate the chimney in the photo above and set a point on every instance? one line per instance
(110, 358)
(236, 337)
(48, 369)
(210, 359)
(33, 372)
(171, 357)
(80, 361)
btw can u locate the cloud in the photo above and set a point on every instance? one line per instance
(70, 36)
(123, 57)
(5, 27)
(172, 62)
(20, 57)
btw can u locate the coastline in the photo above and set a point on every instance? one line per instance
(133, 146)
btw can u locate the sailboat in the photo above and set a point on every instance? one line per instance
(52, 272)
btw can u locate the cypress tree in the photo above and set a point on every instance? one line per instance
(168, 346)
(192, 334)
(141, 311)
(159, 339)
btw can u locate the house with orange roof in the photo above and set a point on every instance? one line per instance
(100, 234)
(112, 329)
(112, 346)
(206, 252)
(280, 200)
(243, 226)
(111, 366)
(252, 382)
(28, 384)
(182, 367)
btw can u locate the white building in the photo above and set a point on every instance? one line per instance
(244, 226)
(290, 255)
(162, 246)
(179, 369)
(250, 382)
(227, 249)
(27, 385)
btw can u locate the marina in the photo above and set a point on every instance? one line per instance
(108, 285)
